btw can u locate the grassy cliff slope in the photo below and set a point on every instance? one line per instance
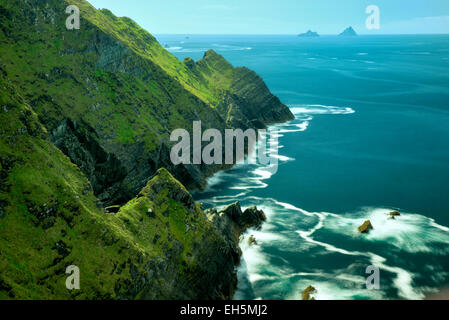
(85, 120)
(125, 92)
(159, 245)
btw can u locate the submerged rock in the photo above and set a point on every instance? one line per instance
(366, 227)
(252, 241)
(307, 292)
(394, 214)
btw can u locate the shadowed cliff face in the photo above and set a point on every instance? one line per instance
(103, 170)
(116, 79)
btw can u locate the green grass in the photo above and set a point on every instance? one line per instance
(138, 97)
(36, 176)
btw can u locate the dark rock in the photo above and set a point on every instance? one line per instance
(61, 248)
(250, 218)
(104, 170)
(231, 222)
(252, 241)
(394, 214)
(112, 209)
(365, 227)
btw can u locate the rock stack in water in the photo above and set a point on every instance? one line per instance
(366, 227)
(307, 292)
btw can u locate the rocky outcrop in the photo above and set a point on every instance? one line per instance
(309, 34)
(252, 241)
(231, 222)
(104, 170)
(394, 214)
(208, 270)
(365, 227)
(348, 32)
(306, 294)
(248, 99)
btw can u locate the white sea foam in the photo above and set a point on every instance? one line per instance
(410, 232)
(319, 109)
(174, 48)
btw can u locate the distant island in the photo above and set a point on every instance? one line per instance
(309, 34)
(349, 32)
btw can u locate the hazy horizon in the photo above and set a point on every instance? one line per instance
(295, 34)
(264, 17)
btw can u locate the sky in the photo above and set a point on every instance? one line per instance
(281, 16)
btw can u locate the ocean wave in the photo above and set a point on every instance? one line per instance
(174, 48)
(313, 109)
(225, 47)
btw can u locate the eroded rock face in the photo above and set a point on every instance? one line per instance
(207, 271)
(231, 222)
(104, 170)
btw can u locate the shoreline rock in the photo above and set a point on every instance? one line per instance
(394, 214)
(366, 227)
(232, 222)
(252, 241)
(306, 294)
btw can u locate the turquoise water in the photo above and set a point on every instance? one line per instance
(371, 135)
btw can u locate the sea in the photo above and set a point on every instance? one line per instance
(370, 136)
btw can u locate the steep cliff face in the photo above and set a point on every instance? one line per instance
(131, 93)
(103, 170)
(245, 97)
(85, 119)
(160, 245)
(232, 222)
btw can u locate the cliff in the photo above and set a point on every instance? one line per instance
(159, 245)
(85, 122)
(124, 91)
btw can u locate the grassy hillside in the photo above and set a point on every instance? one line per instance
(115, 79)
(85, 120)
(49, 219)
